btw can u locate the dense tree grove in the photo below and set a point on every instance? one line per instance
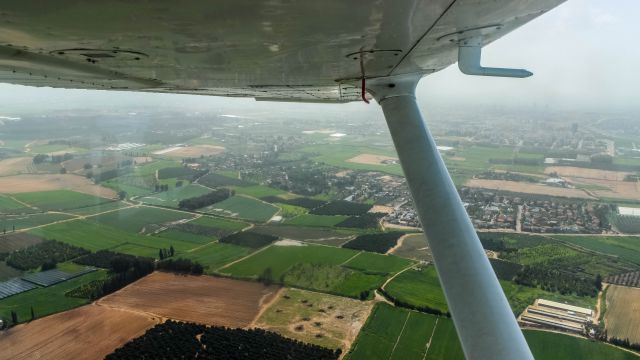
(185, 266)
(111, 174)
(36, 255)
(217, 180)
(380, 243)
(178, 340)
(364, 221)
(206, 199)
(505, 270)
(341, 207)
(555, 279)
(202, 230)
(249, 239)
(102, 259)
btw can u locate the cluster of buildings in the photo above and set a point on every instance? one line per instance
(547, 216)
(489, 210)
(551, 314)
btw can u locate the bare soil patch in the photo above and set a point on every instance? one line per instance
(622, 317)
(88, 332)
(381, 209)
(528, 188)
(14, 166)
(413, 246)
(47, 182)
(194, 151)
(16, 241)
(201, 299)
(579, 172)
(371, 159)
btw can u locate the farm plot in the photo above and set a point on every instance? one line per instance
(19, 222)
(213, 256)
(217, 180)
(249, 239)
(15, 166)
(419, 288)
(528, 188)
(625, 247)
(201, 299)
(54, 276)
(12, 242)
(141, 219)
(376, 263)
(49, 300)
(59, 200)
(546, 345)
(304, 233)
(50, 182)
(380, 243)
(191, 151)
(243, 208)
(605, 183)
(14, 286)
(230, 226)
(325, 320)
(341, 207)
(172, 197)
(393, 333)
(371, 159)
(7, 272)
(413, 246)
(316, 220)
(93, 210)
(11, 206)
(622, 318)
(58, 337)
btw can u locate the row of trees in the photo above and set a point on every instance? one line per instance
(206, 199)
(557, 280)
(424, 309)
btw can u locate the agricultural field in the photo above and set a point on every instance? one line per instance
(604, 183)
(242, 207)
(46, 301)
(339, 155)
(626, 224)
(380, 243)
(172, 197)
(218, 223)
(622, 317)
(419, 288)
(258, 191)
(7, 272)
(545, 345)
(180, 235)
(51, 182)
(249, 239)
(341, 207)
(11, 206)
(140, 219)
(376, 263)
(325, 320)
(191, 151)
(395, 333)
(21, 222)
(15, 166)
(57, 335)
(93, 210)
(12, 242)
(59, 200)
(413, 246)
(625, 247)
(218, 180)
(316, 220)
(215, 255)
(528, 188)
(304, 233)
(202, 299)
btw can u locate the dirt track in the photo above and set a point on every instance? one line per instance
(202, 299)
(88, 332)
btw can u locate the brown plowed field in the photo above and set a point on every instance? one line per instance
(622, 317)
(88, 332)
(201, 299)
(605, 183)
(527, 188)
(31, 183)
(579, 172)
(14, 166)
(196, 151)
(371, 159)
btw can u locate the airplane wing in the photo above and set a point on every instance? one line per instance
(270, 50)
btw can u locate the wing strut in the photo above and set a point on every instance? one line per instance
(483, 319)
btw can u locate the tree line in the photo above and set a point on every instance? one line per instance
(206, 199)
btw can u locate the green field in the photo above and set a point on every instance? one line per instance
(218, 223)
(47, 300)
(546, 345)
(316, 220)
(626, 247)
(10, 206)
(177, 234)
(215, 255)
(172, 197)
(137, 219)
(93, 236)
(242, 207)
(91, 210)
(8, 222)
(59, 200)
(420, 288)
(338, 154)
(376, 263)
(302, 233)
(257, 191)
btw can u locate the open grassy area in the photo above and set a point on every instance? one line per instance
(59, 200)
(172, 197)
(257, 191)
(8, 222)
(180, 235)
(218, 223)
(140, 219)
(626, 247)
(420, 288)
(242, 207)
(10, 206)
(215, 255)
(91, 210)
(47, 300)
(546, 345)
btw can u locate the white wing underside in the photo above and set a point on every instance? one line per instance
(270, 50)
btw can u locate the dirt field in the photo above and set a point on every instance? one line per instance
(370, 159)
(321, 319)
(578, 172)
(622, 317)
(191, 151)
(202, 299)
(14, 166)
(88, 332)
(528, 188)
(46, 182)
(381, 209)
(413, 246)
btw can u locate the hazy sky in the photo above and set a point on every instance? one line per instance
(582, 55)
